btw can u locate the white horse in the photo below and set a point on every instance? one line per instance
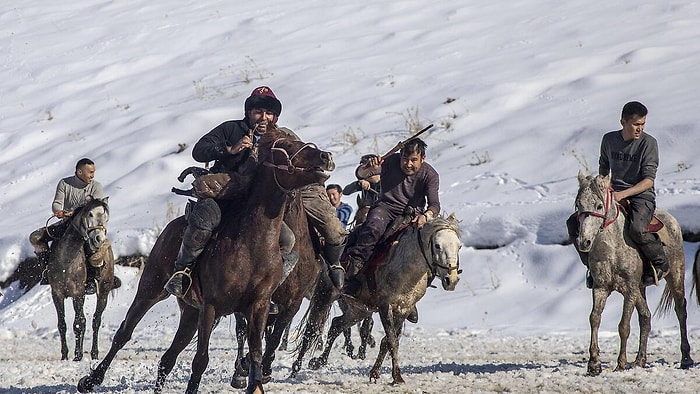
(414, 260)
(616, 265)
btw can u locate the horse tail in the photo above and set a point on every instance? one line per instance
(696, 275)
(666, 303)
(314, 321)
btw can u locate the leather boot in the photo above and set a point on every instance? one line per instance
(92, 282)
(193, 242)
(654, 252)
(336, 271)
(43, 261)
(413, 315)
(584, 259)
(353, 285)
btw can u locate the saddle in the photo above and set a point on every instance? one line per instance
(382, 250)
(655, 225)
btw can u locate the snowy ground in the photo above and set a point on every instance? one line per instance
(433, 361)
(520, 97)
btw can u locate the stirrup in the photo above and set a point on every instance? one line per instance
(177, 289)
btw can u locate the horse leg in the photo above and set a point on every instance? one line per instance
(97, 322)
(319, 309)
(185, 332)
(366, 337)
(201, 358)
(623, 330)
(347, 344)
(675, 286)
(338, 325)
(599, 298)
(272, 341)
(285, 337)
(239, 379)
(79, 326)
(62, 328)
(383, 349)
(136, 311)
(257, 320)
(392, 328)
(644, 327)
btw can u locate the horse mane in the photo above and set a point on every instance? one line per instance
(450, 221)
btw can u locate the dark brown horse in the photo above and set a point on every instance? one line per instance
(288, 296)
(67, 272)
(237, 272)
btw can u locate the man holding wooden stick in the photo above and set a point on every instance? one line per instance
(408, 183)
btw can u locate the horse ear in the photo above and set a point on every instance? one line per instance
(606, 180)
(581, 177)
(105, 200)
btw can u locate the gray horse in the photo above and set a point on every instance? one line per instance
(416, 258)
(615, 265)
(67, 272)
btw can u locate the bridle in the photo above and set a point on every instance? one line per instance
(82, 227)
(289, 167)
(608, 203)
(433, 265)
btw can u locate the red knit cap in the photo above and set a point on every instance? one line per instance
(262, 97)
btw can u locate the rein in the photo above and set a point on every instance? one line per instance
(290, 168)
(432, 265)
(609, 201)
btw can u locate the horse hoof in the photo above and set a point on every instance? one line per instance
(266, 379)
(315, 363)
(94, 355)
(594, 371)
(78, 358)
(687, 363)
(239, 382)
(85, 384)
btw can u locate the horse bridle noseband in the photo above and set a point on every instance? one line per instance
(432, 265)
(609, 201)
(290, 168)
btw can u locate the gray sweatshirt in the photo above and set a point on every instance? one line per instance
(629, 161)
(72, 193)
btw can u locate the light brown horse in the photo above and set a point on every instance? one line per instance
(418, 256)
(237, 272)
(616, 265)
(67, 272)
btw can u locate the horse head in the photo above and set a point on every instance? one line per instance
(595, 207)
(91, 222)
(442, 237)
(295, 163)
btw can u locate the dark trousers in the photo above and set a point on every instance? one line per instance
(378, 220)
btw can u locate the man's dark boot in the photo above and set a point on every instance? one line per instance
(93, 273)
(413, 315)
(43, 259)
(654, 252)
(193, 242)
(353, 285)
(336, 271)
(589, 279)
(584, 259)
